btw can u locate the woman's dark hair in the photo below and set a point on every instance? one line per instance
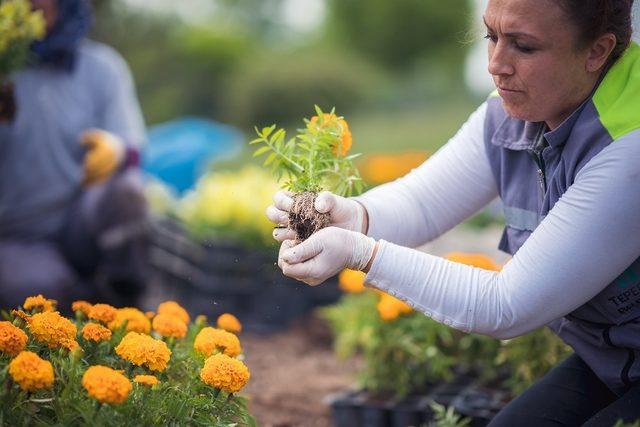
(594, 18)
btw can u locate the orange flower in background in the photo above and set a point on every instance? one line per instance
(229, 323)
(209, 340)
(12, 339)
(331, 120)
(82, 306)
(134, 319)
(148, 380)
(174, 309)
(39, 303)
(31, 372)
(106, 385)
(95, 332)
(104, 313)
(390, 308)
(143, 350)
(150, 314)
(169, 326)
(352, 281)
(474, 259)
(53, 330)
(225, 373)
(380, 168)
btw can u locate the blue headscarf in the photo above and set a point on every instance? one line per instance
(59, 47)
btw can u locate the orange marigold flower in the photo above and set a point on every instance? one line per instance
(351, 281)
(391, 308)
(104, 313)
(173, 308)
(143, 350)
(31, 372)
(148, 380)
(150, 314)
(344, 140)
(39, 303)
(209, 340)
(106, 385)
(82, 306)
(168, 326)
(12, 339)
(473, 259)
(53, 330)
(95, 332)
(385, 167)
(229, 323)
(225, 373)
(134, 319)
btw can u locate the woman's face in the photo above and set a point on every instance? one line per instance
(535, 60)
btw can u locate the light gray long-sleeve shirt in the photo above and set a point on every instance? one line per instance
(41, 159)
(593, 229)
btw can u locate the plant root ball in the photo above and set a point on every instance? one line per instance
(304, 219)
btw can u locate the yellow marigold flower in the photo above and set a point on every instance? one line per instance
(173, 308)
(229, 323)
(168, 325)
(39, 303)
(209, 340)
(475, 260)
(95, 332)
(82, 306)
(104, 313)
(135, 320)
(31, 372)
(12, 339)
(53, 330)
(106, 385)
(351, 281)
(331, 120)
(225, 373)
(390, 308)
(143, 350)
(148, 380)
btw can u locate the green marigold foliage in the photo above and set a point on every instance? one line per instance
(315, 158)
(406, 355)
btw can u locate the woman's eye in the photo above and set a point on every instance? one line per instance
(491, 37)
(525, 49)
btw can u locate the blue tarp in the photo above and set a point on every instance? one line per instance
(180, 151)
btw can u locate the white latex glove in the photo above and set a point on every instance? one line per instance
(343, 213)
(325, 254)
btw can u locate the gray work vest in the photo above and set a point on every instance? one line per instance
(531, 177)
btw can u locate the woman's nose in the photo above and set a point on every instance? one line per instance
(500, 62)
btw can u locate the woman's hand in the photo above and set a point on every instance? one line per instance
(325, 254)
(343, 213)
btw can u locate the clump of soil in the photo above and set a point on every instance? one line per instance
(304, 219)
(7, 103)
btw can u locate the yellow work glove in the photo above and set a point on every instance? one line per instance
(105, 153)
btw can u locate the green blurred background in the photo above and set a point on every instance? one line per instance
(394, 69)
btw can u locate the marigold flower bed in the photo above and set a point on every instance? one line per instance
(109, 366)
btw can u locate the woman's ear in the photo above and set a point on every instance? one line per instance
(599, 52)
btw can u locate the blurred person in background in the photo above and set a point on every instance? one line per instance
(72, 209)
(559, 143)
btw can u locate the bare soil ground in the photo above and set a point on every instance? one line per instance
(292, 373)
